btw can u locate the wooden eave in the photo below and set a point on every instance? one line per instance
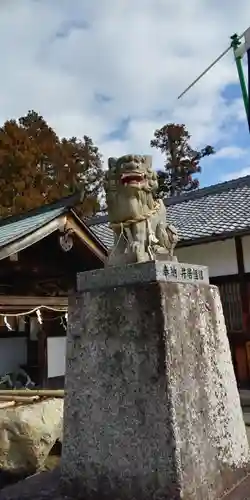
(74, 223)
(13, 303)
(61, 223)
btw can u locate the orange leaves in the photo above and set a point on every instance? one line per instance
(37, 167)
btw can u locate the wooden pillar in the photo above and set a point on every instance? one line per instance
(42, 355)
(243, 283)
(241, 363)
(248, 354)
(243, 371)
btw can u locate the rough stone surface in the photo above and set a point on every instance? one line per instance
(46, 486)
(152, 409)
(27, 434)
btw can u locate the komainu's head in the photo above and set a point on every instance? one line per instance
(131, 173)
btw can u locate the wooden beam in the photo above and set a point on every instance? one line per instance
(34, 237)
(239, 255)
(56, 393)
(71, 224)
(7, 404)
(40, 268)
(18, 399)
(87, 230)
(22, 301)
(25, 285)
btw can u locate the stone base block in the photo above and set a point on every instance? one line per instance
(152, 409)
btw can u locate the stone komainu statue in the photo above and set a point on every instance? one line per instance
(137, 218)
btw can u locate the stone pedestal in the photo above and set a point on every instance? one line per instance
(152, 409)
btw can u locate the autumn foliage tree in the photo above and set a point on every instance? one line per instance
(181, 163)
(37, 167)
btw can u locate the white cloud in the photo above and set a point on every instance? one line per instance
(235, 175)
(141, 54)
(232, 152)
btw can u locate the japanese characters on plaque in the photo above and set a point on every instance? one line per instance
(183, 272)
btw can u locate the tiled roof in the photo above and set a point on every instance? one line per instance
(99, 225)
(15, 227)
(211, 212)
(15, 230)
(103, 232)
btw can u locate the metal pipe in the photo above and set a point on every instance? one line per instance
(209, 67)
(235, 47)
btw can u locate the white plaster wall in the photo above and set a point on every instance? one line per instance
(246, 252)
(56, 351)
(219, 256)
(13, 352)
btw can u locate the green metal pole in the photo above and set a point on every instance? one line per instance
(242, 82)
(235, 44)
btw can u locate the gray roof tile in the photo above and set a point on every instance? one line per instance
(103, 233)
(206, 213)
(15, 230)
(14, 227)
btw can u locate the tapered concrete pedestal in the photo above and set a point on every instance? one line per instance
(151, 408)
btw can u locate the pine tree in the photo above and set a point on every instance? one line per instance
(181, 161)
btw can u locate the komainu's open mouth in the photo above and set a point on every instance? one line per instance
(132, 178)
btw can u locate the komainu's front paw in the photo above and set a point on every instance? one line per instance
(139, 253)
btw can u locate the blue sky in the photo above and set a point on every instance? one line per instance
(234, 162)
(113, 70)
